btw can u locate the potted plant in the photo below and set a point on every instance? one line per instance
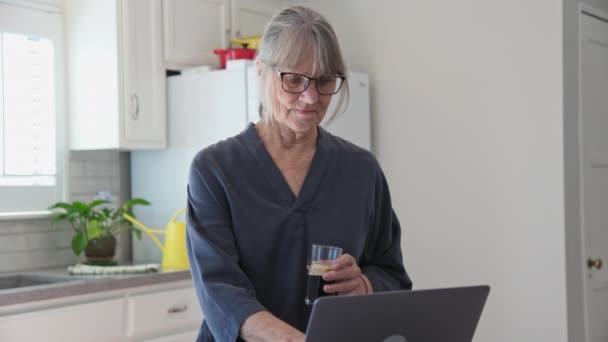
(96, 226)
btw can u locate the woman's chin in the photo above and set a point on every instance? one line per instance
(305, 121)
(303, 126)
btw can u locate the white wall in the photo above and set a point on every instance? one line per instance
(56, 3)
(467, 106)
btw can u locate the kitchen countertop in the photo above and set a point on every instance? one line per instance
(83, 284)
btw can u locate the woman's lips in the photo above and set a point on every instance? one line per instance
(305, 111)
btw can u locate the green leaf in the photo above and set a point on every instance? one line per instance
(135, 201)
(62, 205)
(79, 243)
(106, 213)
(80, 206)
(71, 215)
(139, 201)
(97, 202)
(93, 230)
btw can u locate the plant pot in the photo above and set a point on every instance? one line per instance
(101, 249)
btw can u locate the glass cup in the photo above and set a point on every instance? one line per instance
(321, 259)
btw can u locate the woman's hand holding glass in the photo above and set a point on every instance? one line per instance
(347, 277)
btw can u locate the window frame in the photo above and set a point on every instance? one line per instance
(45, 21)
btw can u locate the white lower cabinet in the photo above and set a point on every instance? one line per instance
(97, 321)
(158, 313)
(181, 337)
(151, 313)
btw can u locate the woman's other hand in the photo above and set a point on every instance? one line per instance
(347, 277)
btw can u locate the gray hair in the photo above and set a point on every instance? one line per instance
(289, 32)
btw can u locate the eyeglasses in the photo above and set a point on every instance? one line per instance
(296, 84)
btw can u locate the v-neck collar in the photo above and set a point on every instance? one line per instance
(312, 180)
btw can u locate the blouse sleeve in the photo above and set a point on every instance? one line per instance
(382, 259)
(226, 295)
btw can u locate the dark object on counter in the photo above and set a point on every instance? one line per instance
(101, 249)
(234, 53)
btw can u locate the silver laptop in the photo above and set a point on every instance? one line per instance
(435, 315)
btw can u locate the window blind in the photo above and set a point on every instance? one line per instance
(32, 109)
(28, 115)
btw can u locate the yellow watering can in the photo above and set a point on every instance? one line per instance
(174, 251)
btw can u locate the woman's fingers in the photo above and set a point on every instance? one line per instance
(345, 267)
(345, 260)
(342, 274)
(346, 275)
(349, 286)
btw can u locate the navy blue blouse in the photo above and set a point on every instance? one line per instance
(249, 236)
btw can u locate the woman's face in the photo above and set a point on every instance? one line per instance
(301, 113)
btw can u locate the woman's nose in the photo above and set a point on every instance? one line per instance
(310, 95)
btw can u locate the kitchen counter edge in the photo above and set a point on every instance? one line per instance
(83, 285)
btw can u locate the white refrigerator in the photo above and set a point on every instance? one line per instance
(203, 108)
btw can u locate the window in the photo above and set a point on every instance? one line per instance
(32, 108)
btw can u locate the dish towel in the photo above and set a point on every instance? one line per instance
(82, 269)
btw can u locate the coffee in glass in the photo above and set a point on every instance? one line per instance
(322, 258)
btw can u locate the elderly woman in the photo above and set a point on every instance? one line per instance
(258, 201)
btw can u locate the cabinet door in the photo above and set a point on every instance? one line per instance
(143, 123)
(192, 30)
(162, 313)
(93, 78)
(249, 17)
(99, 321)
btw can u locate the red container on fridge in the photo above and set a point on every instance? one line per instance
(235, 53)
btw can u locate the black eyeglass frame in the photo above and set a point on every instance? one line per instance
(308, 80)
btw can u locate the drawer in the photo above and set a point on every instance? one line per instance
(97, 321)
(163, 312)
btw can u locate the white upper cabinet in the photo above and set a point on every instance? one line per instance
(116, 74)
(144, 75)
(249, 18)
(194, 28)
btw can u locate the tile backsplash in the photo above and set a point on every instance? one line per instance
(34, 243)
(92, 171)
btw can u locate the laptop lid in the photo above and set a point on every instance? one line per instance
(434, 315)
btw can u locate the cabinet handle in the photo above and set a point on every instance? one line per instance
(177, 309)
(594, 263)
(135, 113)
